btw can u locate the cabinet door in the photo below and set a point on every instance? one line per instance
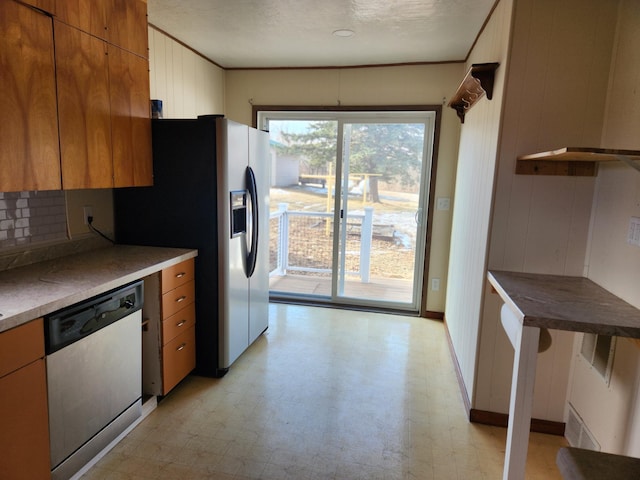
(128, 26)
(84, 109)
(48, 6)
(88, 15)
(29, 153)
(130, 118)
(24, 436)
(20, 346)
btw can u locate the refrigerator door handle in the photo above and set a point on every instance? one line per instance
(252, 252)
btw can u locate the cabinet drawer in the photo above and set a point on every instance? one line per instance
(178, 358)
(177, 275)
(178, 323)
(21, 346)
(177, 299)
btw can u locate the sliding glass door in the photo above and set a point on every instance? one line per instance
(349, 200)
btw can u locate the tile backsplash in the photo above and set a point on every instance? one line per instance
(28, 218)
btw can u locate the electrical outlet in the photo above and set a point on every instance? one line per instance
(87, 212)
(443, 203)
(435, 284)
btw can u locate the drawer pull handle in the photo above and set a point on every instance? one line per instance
(182, 298)
(180, 323)
(181, 347)
(180, 275)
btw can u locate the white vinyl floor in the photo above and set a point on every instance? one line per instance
(324, 394)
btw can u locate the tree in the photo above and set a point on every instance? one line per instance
(391, 150)
(317, 146)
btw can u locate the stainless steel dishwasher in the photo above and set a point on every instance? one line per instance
(94, 375)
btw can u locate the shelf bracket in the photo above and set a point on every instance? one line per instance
(628, 161)
(477, 82)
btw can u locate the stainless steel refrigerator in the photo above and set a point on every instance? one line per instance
(210, 192)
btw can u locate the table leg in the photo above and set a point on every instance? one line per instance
(525, 342)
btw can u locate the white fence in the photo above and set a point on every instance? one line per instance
(282, 263)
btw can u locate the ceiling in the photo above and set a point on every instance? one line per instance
(299, 33)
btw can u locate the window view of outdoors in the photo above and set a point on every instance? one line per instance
(374, 256)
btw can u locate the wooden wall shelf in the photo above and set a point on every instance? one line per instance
(477, 82)
(570, 161)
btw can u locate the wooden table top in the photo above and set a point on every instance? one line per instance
(566, 303)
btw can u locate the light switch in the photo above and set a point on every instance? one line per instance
(633, 237)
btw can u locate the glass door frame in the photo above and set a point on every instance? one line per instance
(431, 117)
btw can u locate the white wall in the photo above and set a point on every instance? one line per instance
(187, 84)
(612, 413)
(406, 85)
(474, 193)
(560, 57)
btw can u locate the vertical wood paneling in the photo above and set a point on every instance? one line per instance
(187, 84)
(177, 70)
(152, 61)
(160, 73)
(472, 208)
(540, 224)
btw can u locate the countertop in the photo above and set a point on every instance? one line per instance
(32, 291)
(566, 303)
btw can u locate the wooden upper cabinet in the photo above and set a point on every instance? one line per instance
(88, 15)
(128, 27)
(29, 154)
(48, 6)
(84, 109)
(130, 119)
(119, 22)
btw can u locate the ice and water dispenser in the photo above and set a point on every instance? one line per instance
(238, 212)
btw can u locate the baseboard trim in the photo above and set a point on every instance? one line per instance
(433, 315)
(456, 365)
(495, 419)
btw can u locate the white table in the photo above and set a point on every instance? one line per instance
(533, 302)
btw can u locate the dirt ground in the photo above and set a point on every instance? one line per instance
(311, 242)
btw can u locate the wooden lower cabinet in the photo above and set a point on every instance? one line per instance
(24, 420)
(178, 358)
(168, 338)
(169, 348)
(178, 323)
